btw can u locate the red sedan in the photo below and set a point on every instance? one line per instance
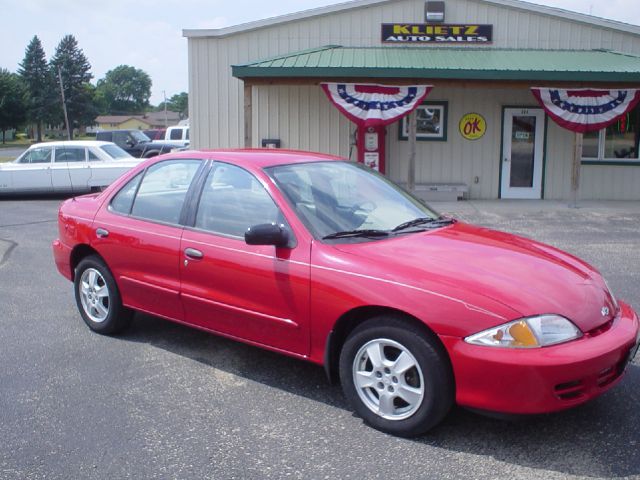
(328, 261)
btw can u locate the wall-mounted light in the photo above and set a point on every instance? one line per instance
(271, 143)
(434, 11)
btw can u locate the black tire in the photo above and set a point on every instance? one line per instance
(98, 298)
(430, 374)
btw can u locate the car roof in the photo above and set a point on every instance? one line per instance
(260, 157)
(72, 143)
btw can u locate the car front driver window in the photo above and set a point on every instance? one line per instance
(234, 200)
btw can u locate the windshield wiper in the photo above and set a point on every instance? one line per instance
(432, 222)
(357, 233)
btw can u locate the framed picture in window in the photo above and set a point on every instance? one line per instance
(431, 122)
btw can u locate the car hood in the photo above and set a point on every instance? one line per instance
(530, 277)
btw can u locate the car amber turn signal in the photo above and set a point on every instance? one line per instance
(531, 332)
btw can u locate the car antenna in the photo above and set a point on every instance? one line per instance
(73, 195)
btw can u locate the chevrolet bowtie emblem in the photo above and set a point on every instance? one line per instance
(604, 311)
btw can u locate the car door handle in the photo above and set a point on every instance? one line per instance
(102, 233)
(193, 253)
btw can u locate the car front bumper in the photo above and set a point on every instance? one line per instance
(541, 380)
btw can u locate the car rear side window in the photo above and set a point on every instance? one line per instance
(114, 151)
(234, 200)
(123, 200)
(163, 190)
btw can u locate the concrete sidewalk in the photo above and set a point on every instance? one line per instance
(469, 209)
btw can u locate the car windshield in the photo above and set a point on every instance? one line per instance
(115, 151)
(342, 199)
(139, 136)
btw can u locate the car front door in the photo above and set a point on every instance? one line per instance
(32, 173)
(259, 293)
(138, 234)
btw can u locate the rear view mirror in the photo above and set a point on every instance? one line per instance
(267, 234)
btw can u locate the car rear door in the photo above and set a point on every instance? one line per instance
(70, 170)
(258, 293)
(138, 234)
(105, 169)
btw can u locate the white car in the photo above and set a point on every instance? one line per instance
(73, 166)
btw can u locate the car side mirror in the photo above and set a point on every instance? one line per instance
(130, 143)
(267, 234)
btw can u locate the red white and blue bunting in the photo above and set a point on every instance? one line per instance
(586, 110)
(369, 105)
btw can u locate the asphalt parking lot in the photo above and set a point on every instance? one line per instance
(166, 401)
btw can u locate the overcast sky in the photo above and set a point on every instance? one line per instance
(147, 34)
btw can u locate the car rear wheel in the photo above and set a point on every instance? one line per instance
(396, 377)
(98, 297)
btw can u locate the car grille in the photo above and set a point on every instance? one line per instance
(577, 389)
(601, 329)
(570, 390)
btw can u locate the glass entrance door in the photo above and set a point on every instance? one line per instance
(522, 153)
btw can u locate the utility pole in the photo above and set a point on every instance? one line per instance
(64, 104)
(166, 120)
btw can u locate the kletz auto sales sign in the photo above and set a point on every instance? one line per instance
(429, 33)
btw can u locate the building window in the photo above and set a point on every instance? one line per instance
(618, 143)
(431, 122)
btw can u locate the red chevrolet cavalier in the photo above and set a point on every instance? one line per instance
(328, 261)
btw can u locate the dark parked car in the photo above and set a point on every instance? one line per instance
(155, 134)
(135, 142)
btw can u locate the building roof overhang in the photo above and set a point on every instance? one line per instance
(525, 6)
(446, 63)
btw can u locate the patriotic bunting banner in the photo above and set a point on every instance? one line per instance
(586, 110)
(370, 105)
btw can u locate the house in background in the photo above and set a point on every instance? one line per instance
(136, 122)
(120, 122)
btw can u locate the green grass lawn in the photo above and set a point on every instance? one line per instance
(16, 143)
(5, 159)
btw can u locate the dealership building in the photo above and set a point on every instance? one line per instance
(509, 99)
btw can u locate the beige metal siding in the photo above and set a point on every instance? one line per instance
(515, 28)
(303, 118)
(459, 160)
(610, 182)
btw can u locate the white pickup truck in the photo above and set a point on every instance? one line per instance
(177, 135)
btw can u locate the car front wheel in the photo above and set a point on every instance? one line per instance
(396, 377)
(98, 298)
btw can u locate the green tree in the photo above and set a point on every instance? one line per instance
(40, 85)
(13, 98)
(177, 103)
(75, 70)
(124, 90)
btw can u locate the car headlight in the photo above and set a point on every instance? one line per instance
(531, 332)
